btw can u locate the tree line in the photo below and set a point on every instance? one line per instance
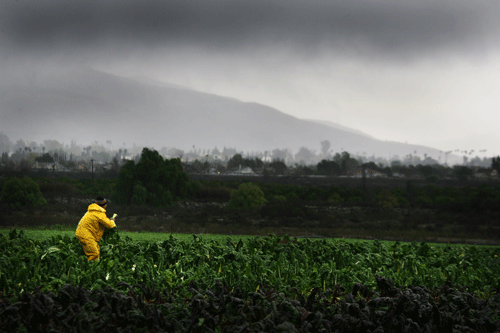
(158, 182)
(99, 158)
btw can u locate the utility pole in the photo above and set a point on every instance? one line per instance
(363, 172)
(92, 162)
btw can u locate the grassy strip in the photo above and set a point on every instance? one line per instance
(45, 233)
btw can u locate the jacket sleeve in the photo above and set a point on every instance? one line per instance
(105, 221)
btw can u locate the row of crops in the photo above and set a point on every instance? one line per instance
(260, 284)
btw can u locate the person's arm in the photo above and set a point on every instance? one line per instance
(107, 222)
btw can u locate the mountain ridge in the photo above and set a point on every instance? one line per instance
(338, 126)
(91, 105)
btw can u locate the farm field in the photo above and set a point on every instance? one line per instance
(211, 283)
(219, 254)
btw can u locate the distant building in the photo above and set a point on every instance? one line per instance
(369, 173)
(486, 174)
(242, 171)
(43, 165)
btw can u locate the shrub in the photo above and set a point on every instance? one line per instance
(335, 198)
(22, 192)
(386, 199)
(247, 196)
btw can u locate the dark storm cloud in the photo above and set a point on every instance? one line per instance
(385, 27)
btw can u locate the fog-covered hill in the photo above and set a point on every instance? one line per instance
(87, 105)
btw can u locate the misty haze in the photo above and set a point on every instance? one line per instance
(372, 79)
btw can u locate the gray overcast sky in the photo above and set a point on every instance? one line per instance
(421, 71)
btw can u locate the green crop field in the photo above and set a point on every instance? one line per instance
(164, 260)
(190, 273)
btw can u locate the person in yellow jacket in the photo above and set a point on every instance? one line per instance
(91, 227)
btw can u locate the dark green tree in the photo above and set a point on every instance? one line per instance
(253, 163)
(462, 172)
(346, 162)
(495, 164)
(124, 189)
(425, 170)
(199, 166)
(387, 171)
(140, 195)
(371, 165)
(328, 168)
(278, 166)
(152, 181)
(45, 158)
(235, 161)
(5, 157)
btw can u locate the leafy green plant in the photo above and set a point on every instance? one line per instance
(27, 263)
(220, 308)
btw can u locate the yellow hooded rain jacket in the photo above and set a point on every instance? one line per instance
(91, 228)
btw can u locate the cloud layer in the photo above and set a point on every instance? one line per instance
(399, 70)
(366, 28)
